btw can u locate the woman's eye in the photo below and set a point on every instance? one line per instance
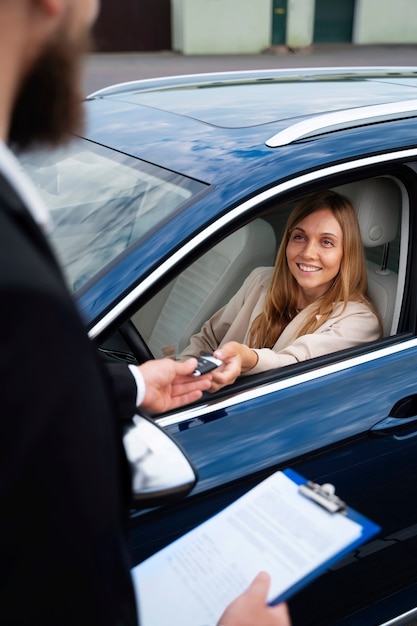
(328, 242)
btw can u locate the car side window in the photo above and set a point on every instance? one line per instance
(176, 312)
(182, 307)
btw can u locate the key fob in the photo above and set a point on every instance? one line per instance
(206, 363)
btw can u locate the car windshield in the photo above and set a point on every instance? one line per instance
(102, 202)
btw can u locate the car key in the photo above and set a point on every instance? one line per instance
(206, 363)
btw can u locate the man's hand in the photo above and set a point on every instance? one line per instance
(250, 609)
(170, 384)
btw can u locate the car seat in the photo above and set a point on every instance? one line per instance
(378, 206)
(179, 310)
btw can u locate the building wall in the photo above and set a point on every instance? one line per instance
(241, 26)
(221, 26)
(384, 21)
(300, 23)
(177, 25)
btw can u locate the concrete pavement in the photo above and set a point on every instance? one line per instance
(103, 69)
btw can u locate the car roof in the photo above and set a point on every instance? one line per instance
(243, 99)
(207, 126)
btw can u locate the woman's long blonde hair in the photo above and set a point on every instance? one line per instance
(351, 282)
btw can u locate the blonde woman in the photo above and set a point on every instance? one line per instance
(313, 302)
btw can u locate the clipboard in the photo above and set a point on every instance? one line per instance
(286, 525)
(330, 501)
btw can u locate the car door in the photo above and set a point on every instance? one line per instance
(376, 473)
(329, 397)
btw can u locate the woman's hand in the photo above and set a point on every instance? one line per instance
(237, 359)
(251, 609)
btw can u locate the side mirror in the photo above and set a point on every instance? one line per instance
(161, 470)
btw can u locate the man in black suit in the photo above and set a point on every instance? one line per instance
(64, 482)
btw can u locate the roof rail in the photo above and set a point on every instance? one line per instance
(346, 118)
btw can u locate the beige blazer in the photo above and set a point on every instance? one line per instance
(356, 325)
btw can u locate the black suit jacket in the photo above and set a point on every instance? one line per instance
(63, 550)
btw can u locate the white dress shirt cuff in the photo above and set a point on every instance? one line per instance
(140, 384)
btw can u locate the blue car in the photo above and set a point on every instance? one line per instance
(177, 190)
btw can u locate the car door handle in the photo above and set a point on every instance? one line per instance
(394, 425)
(402, 418)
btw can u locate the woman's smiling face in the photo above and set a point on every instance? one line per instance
(314, 254)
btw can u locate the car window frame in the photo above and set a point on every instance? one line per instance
(391, 164)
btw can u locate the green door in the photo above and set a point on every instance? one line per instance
(279, 22)
(333, 21)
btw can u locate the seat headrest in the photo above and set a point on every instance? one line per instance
(378, 204)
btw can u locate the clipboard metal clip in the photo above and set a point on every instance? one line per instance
(324, 495)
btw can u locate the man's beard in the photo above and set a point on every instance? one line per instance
(49, 105)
